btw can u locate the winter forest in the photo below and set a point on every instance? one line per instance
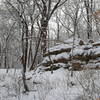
(49, 49)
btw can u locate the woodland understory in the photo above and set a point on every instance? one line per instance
(49, 49)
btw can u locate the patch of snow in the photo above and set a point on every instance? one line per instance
(56, 57)
(77, 51)
(97, 50)
(59, 47)
(47, 86)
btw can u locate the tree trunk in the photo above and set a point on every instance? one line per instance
(44, 25)
(25, 52)
(89, 7)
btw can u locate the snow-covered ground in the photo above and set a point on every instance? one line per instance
(84, 85)
(60, 84)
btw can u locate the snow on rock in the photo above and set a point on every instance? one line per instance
(73, 50)
(96, 43)
(66, 47)
(97, 51)
(75, 41)
(56, 57)
(77, 51)
(59, 47)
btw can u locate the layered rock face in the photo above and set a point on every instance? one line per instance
(73, 55)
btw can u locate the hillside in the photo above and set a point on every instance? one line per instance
(56, 83)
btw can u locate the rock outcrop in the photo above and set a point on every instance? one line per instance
(74, 55)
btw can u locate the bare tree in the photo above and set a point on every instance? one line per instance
(23, 14)
(46, 12)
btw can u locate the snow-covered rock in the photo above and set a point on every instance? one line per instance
(75, 54)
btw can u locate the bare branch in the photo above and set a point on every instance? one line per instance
(49, 6)
(56, 6)
(39, 6)
(13, 7)
(62, 3)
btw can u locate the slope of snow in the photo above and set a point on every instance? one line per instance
(59, 85)
(48, 86)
